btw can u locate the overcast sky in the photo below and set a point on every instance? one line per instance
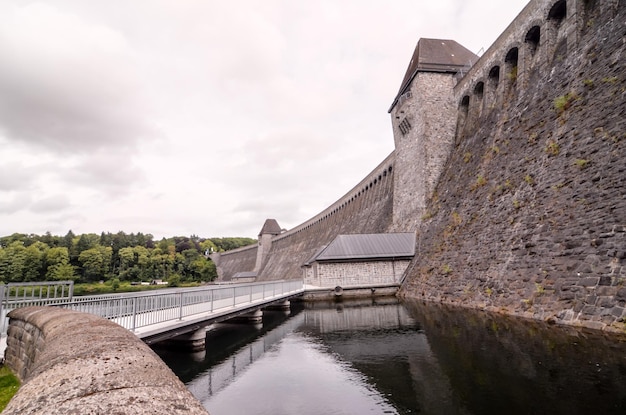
(180, 117)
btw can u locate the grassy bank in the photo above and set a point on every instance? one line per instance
(8, 386)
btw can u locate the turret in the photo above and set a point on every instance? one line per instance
(269, 230)
(423, 116)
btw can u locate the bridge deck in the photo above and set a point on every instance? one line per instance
(156, 316)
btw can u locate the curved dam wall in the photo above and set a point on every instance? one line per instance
(77, 363)
(238, 260)
(529, 215)
(366, 208)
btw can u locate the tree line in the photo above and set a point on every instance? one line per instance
(127, 257)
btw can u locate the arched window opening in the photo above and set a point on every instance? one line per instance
(511, 64)
(558, 12)
(532, 39)
(494, 76)
(479, 89)
(389, 169)
(589, 5)
(464, 107)
(587, 11)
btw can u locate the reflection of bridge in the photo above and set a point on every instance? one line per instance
(379, 340)
(221, 375)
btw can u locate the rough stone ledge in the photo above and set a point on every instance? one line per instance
(85, 364)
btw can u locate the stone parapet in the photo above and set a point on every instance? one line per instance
(77, 363)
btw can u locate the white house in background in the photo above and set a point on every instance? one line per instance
(360, 260)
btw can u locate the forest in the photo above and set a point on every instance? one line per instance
(89, 258)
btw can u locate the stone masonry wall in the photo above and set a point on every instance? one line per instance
(345, 274)
(423, 124)
(76, 363)
(238, 260)
(529, 216)
(367, 208)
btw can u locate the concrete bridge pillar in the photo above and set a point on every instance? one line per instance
(253, 317)
(194, 341)
(281, 306)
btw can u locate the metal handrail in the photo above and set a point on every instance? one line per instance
(145, 309)
(23, 294)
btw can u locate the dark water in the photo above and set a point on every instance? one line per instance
(390, 358)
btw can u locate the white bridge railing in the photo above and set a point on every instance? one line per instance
(136, 310)
(24, 294)
(146, 309)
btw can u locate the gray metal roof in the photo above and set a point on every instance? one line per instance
(245, 274)
(435, 55)
(369, 246)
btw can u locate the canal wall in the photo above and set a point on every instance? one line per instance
(529, 214)
(71, 362)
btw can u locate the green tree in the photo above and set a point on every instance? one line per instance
(12, 265)
(127, 262)
(92, 263)
(34, 262)
(208, 246)
(61, 272)
(86, 241)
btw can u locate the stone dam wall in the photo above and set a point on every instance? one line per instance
(527, 212)
(76, 363)
(366, 208)
(529, 215)
(238, 260)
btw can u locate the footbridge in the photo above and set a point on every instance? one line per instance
(181, 314)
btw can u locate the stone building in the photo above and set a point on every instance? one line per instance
(361, 260)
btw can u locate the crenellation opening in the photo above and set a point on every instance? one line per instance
(558, 12)
(479, 90)
(510, 61)
(464, 106)
(587, 13)
(494, 76)
(532, 39)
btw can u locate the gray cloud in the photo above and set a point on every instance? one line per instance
(199, 116)
(12, 202)
(67, 84)
(50, 204)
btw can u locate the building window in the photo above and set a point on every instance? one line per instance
(405, 126)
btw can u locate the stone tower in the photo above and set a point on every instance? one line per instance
(423, 116)
(269, 230)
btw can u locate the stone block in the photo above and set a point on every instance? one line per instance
(589, 281)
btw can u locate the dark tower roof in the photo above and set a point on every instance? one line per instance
(270, 227)
(435, 55)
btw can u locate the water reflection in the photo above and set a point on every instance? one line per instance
(497, 364)
(362, 357)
